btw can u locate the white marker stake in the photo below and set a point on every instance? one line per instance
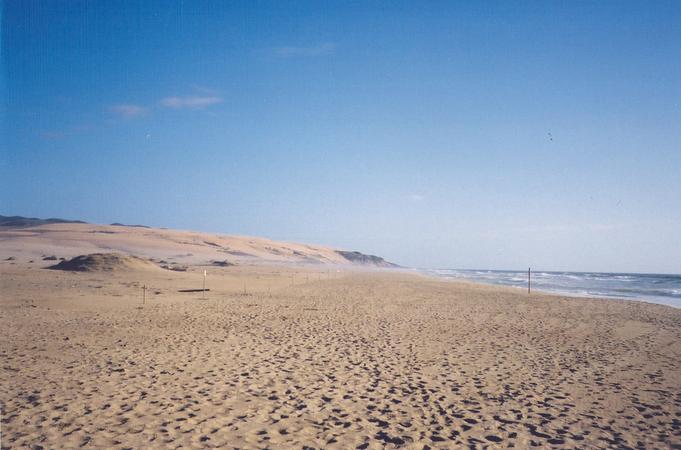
(204, 285)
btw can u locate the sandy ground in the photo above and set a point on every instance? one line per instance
(284, 358)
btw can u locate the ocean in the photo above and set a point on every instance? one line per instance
(664, 289)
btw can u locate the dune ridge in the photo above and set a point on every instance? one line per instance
(34, 238)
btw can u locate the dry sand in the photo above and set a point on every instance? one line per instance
(173, 246)
(326, 359)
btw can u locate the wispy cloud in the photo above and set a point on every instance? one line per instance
(326, 48)
(128, 110)
(190, 102)
(415, 197)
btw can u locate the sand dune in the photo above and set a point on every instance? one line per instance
(281, 357)
(179, 247)
(103, 262)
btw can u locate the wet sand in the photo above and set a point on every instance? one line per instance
(304, 358)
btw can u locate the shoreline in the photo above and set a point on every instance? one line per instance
(657, 300)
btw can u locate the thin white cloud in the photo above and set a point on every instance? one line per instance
(128, 110)
(190, 102)
(326, 48)
(415, 197)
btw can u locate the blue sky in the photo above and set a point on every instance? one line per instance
(435, 134)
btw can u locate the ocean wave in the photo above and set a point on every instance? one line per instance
(659, 288)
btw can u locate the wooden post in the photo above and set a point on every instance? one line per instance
(144, 294)
(529, 277)
(203, 295)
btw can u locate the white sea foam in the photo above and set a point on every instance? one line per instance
(655, 288)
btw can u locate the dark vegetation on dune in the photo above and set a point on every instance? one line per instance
(174, 267)
(23, 222)
(365, 260)
(102, 262)
(118, 224)
(223, 263)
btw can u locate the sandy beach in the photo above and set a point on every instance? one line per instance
(280, 357)
(340, 225)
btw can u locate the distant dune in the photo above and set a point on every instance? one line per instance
(36, 238)
(19, 221)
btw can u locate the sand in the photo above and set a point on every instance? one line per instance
(281, 357)
(173, 246)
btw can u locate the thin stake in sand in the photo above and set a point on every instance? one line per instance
(144, 295)
(529, 276)
(203, 292)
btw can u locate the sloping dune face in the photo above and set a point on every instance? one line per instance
(104, 262)
(68, 240)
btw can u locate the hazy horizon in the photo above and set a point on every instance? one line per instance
(462, 136)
